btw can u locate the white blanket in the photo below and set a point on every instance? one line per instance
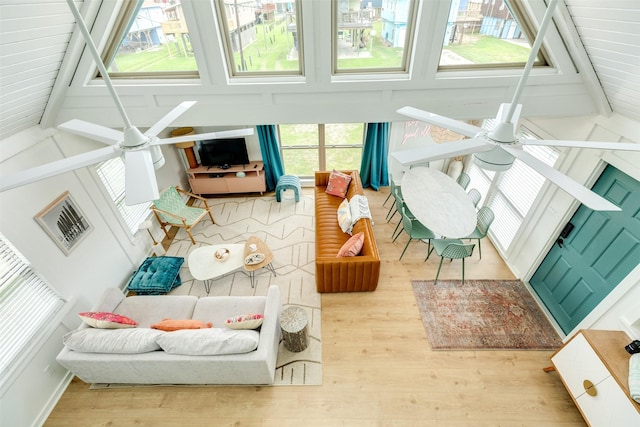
(634, 377)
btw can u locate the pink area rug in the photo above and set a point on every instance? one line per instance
(483, 315)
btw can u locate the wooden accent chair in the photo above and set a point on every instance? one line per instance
(171, 210)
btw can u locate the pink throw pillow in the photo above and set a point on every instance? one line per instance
(338, 184)
(353, 246)
(245, 321)
(105, 320)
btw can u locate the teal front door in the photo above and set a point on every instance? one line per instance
(599, 249)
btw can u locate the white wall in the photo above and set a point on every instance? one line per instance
(621, 309)
(106, 257)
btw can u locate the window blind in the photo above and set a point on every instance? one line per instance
(510, 194)
(27, 304)
(112, 175)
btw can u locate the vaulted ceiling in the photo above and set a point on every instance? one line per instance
(35, 34)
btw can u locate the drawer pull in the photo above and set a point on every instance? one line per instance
(589, 388)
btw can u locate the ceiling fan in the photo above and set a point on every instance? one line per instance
(497, 148)
(140, 151)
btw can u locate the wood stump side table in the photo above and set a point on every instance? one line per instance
(295, 328)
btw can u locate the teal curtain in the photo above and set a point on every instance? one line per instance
(273, 168)
(374, 169)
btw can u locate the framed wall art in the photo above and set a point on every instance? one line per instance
(64, 222)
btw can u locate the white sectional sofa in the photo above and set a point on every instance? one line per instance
(147, 364)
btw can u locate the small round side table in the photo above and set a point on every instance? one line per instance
(295, 328)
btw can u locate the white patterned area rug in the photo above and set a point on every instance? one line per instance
(288, 229)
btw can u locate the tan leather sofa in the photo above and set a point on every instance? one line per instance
(347, 274)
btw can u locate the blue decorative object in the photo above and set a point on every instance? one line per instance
(156, 276)
(288, 182)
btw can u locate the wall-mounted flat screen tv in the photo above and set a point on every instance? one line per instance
(223, 152)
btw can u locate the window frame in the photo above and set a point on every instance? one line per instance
(517, 9)
(227, 49)
(17, 272)
(492, 187)
(322, 145)
(126, 13)
(113, 188)
(407, 53)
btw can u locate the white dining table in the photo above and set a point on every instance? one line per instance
(438, 202)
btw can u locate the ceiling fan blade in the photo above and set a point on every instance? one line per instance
(92, 131)
(140, 177)
(170, 117)
(202, 136)
(624, 146)
(580, 192)
(444, 122)
(434, 152)
(57, 167)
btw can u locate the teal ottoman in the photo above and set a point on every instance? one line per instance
(288, 182)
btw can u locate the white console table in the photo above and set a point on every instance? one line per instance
(594, 367)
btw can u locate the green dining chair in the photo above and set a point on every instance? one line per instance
(398, 201)
(414, 229)
(452, 249)
(485, 218)
(392, 189)
(475, 196)
(464, 180)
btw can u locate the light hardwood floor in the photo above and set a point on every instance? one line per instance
(378, 368)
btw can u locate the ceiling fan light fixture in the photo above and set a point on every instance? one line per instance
(157, 157)
(496, 160)
(133, 138)
(503, 132)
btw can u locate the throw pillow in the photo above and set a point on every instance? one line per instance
(126, 341)
(245, 321)
(176, 325)
(208, 342)
(344, 217)
(338, 184)
(156, 275)
(353, 246)
(104, 320)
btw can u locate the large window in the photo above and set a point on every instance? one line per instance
(27, 305)
(307, 148)
(153, 38)
(483, 33)
(510, 194)
(112, 175)
(372, 39)
(261, 38)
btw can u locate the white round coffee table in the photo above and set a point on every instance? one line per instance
(204, 266)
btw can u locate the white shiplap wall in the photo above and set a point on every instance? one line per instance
(33, 40)
(610, 32)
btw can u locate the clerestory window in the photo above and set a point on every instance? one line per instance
(372, 37)
(152, 38)
(487, 34)
(261, 38)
